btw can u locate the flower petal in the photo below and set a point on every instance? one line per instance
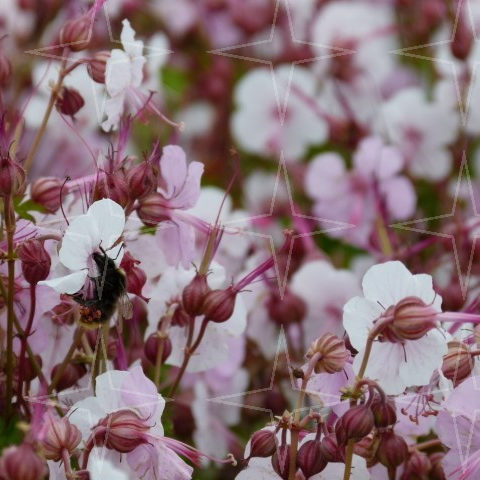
(110, 220)
(67, 284)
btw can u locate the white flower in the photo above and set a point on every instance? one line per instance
(100, 227)
(256, 123)
(124, 70)
(395, 366)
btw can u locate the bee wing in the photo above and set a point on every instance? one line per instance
(125, 307)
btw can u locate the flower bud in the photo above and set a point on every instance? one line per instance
(75, 33)
(437, 472)
(35, 261)
(412, 318)
(310, 458)
(64, 312)
(392, 449)
(69, 101)
(29, 372)
(58, 435)
(152, 346)
(142, 179)
(281, 461)
(70, 376)
(12, 177)
(193, 295)
(219, 304)
(136, 277)
(333, 354)
(113, 186)
(263, 443)
(384, 412)
(98, 65)
(458, 362)
(287, 310)
(416, 467)
(461, 46)
(122, 431)
(5, 70)
(153, 209)
(356, 423)
(331, 452)
(46, 191)
(22, 463)
(180, 317)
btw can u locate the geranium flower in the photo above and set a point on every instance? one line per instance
(396, 365)
(120, 392)
(100, 228)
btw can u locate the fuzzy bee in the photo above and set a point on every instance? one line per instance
(109, 292)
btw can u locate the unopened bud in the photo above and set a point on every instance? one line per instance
(35, 261)
(458, 362)
(5, 70)
(75, 33)
(69, 101)
(58, 435)
(12, 177)
(112, 186)
(136, 277)
(153, 345)
(417, 466)
(218, 305)
(46, 191)
(392, 449)
(98, 65)
(332, 354)
(122, 431)
(70, 375)
(22, 463)
(263, 444)
(461, 46)
(180, 317)
(330, 449)
(310, 458)
(281, 461)
(437, 472)
(287, 310)
(29, 371)
(142, 179)
(193, 295)
(356, 423)
(383, 411)
(64, 312)
(153, 209)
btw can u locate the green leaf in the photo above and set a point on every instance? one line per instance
(23, 208)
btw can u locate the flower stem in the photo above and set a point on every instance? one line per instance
(162, 336)
(295, 431)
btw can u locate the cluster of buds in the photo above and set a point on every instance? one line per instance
(60, 438)
(329, 352)
(35, 261)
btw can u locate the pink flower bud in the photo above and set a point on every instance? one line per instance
(122, 431)
(70, 376)
(153, 209)
(330, 449)
(58, 435)
(113, 186)
(356, 423)
(69, 101)
(35, 261)
(136, 277)
(64, 312)
(333, 354)
(5, 70)
(281, 461)
(417, 466)
(383, 412)
(152, 346)
(193, 295)
(12, 177)
(458, 362)
(461, 46)
(287, 310)
(392, 449)
(219, 304)
(263, 444)
(142, 179)
(22, 463)
(98, 65)
(29, 372)
(310, 458)
(180, 317)
(437, 472)
(46, 192)
(75, 33)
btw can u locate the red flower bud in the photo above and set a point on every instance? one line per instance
(180, 317)
(70, 376)
(142, 179)
(12, 177)
(152, 346)
(417, 466)
(122, 431)
(46, 192)
(356, 423)
(412, 318)
(75, 33)
(5, 70)
(64, 312)
(330, 449)
(136, 277)
(193, 295)
(219, 304)
(461, 46)
(281, 461)
(59, 434)
(310, 458)
(113, 186)
(69, 101)
(98, 65)
(35, 261)
(333, 353)
(29, 372)
(263, 444)
(458, 362)
(287, 310)
(153, 209)
(392, 449)
(437, 472)
(383, 411)
(22, 463)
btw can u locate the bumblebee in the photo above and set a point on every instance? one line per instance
(109, 288)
